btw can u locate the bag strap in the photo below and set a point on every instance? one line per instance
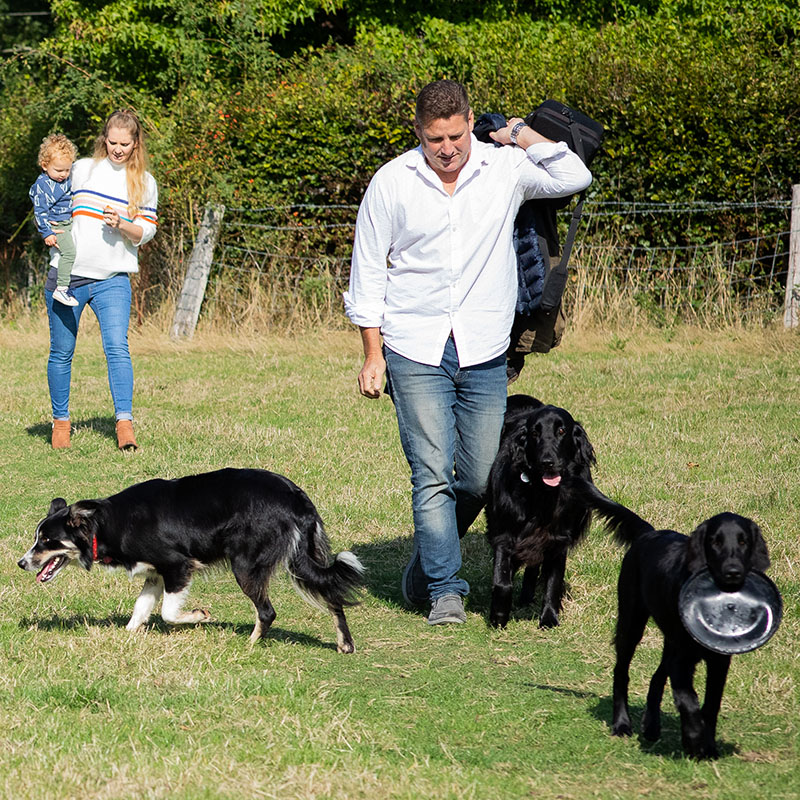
(557, 278)
(573, 230)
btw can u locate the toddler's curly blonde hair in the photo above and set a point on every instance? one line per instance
(54, 145)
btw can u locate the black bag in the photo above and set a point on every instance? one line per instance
(541, 330)
(564, 124)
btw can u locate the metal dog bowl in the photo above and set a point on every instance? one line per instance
(730, 622)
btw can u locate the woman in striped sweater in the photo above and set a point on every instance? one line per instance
(113, 213)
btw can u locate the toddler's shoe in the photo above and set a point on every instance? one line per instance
(64, 295)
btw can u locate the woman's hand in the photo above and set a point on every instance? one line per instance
(130, 230)
(111, 217)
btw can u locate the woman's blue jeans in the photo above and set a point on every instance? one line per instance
(450, 421)
(110, 300)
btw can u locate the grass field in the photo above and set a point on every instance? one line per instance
(684, 426)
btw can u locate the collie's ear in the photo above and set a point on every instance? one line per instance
(56, 504)
(81, 513)
(696, 557)
(583, 447)
(760, 557)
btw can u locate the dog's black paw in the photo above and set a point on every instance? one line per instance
(622, 728)
(548, 619)
(701, 751)
(699, 746)
(711, 753)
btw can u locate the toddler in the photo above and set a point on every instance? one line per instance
(52, 207)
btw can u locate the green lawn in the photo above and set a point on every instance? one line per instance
(684, 426)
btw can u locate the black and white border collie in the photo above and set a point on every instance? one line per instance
(168, 529)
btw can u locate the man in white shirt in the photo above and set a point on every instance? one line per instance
(434, 275)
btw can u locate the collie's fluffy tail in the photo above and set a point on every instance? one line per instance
(625, 524)
(325, 583)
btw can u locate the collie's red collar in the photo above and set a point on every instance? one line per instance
(105, 559)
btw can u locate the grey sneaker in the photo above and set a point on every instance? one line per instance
(446, 609)
(413, 583)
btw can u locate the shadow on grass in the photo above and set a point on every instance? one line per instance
(105, 426)
(384, 562)
(155, 625)
(579, 693)
(669, 743)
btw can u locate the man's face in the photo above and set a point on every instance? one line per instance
(446, 143)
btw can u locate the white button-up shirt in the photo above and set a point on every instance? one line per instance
(426, 263)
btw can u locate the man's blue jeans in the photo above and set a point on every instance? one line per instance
(450, 421)
(110, 300)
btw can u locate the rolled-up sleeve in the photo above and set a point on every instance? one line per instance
(147, 218)
(553, 170)
(365, 300)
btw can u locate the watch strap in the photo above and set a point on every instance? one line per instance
(515, 131)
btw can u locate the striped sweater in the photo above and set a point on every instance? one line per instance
(102, 251)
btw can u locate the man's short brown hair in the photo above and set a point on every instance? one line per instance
(441, 100)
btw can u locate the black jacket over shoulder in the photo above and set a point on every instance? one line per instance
(535, 236)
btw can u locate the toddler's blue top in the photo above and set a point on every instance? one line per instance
(52, 202)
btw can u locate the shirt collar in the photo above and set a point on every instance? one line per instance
(416, 161)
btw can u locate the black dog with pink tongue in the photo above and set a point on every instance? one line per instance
(533, 515)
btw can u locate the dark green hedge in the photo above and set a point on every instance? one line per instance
(700, 99)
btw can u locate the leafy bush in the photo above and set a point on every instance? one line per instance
(699, 97)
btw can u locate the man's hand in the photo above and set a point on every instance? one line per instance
(526, 137)
(370, 379)
(503, 135)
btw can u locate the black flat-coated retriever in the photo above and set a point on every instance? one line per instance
(533, 516)
(653, 570)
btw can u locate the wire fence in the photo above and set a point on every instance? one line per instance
(698, 261)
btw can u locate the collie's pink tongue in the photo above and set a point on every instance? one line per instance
(552, 480)
(47, 570)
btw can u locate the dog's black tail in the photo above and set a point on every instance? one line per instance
(325, 582)
(625, 524)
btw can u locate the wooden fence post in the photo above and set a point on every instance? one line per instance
(791, 314)
(194, 283)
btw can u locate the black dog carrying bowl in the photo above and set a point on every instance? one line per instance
(730, 622)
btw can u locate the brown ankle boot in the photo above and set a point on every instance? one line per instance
(125, 438)
(61, 429)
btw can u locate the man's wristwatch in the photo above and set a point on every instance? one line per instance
(515, 131)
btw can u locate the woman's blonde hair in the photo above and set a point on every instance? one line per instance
(136, 165)
(56, 144)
